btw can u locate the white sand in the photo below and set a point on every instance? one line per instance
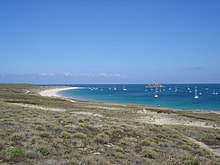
(54, 92)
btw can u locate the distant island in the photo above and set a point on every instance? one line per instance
(155, 86)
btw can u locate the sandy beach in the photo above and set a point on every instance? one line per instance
(54, 92)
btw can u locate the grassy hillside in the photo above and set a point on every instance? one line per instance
(41, 130)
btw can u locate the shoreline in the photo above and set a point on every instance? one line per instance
(54, 92)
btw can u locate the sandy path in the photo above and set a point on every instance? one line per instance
(39, 107)
(26, 91)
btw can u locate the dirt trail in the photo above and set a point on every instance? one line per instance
(215, 150)
(39, 107)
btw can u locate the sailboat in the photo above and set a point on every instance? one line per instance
(156, 95)
(175, 89)
(146, 90)
(196, 96)
(115, 89)
(124, 89)
(213, 92)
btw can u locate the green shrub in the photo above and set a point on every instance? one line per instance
(114, 131)
(102, 138)
(65, 135)
(45, 135)
(54, 127)
(94, 159)
(148, 152)
(32, 155)
(85, 127)
(118, 152)
(117, 148)
(82, 124)
(79, 135)
(192, 161)
(13, 152)
(148, 142)
(18, 136)
(57, 129)
(161, 136)
(206, 152)
(44, 150)
(73, 161)
(186, 147)
(203, 152)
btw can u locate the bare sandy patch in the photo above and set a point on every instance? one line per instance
(171, 119)
(89, 113)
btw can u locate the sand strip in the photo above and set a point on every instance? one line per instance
(54, 92)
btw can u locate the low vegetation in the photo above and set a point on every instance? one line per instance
(99, 133)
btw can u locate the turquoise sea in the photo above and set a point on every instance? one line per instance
(179, 96)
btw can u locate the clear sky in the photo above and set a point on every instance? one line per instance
(110, 41)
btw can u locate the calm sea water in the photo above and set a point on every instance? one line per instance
(180, 96)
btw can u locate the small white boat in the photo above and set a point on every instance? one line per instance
(156, 95)
(196, 96)
(124, 89)
(175, 89)
(216, 93)
(115, 89)
(213, 92)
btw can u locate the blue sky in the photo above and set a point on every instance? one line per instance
(112, 41)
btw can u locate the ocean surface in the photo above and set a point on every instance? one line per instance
(179, 96)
